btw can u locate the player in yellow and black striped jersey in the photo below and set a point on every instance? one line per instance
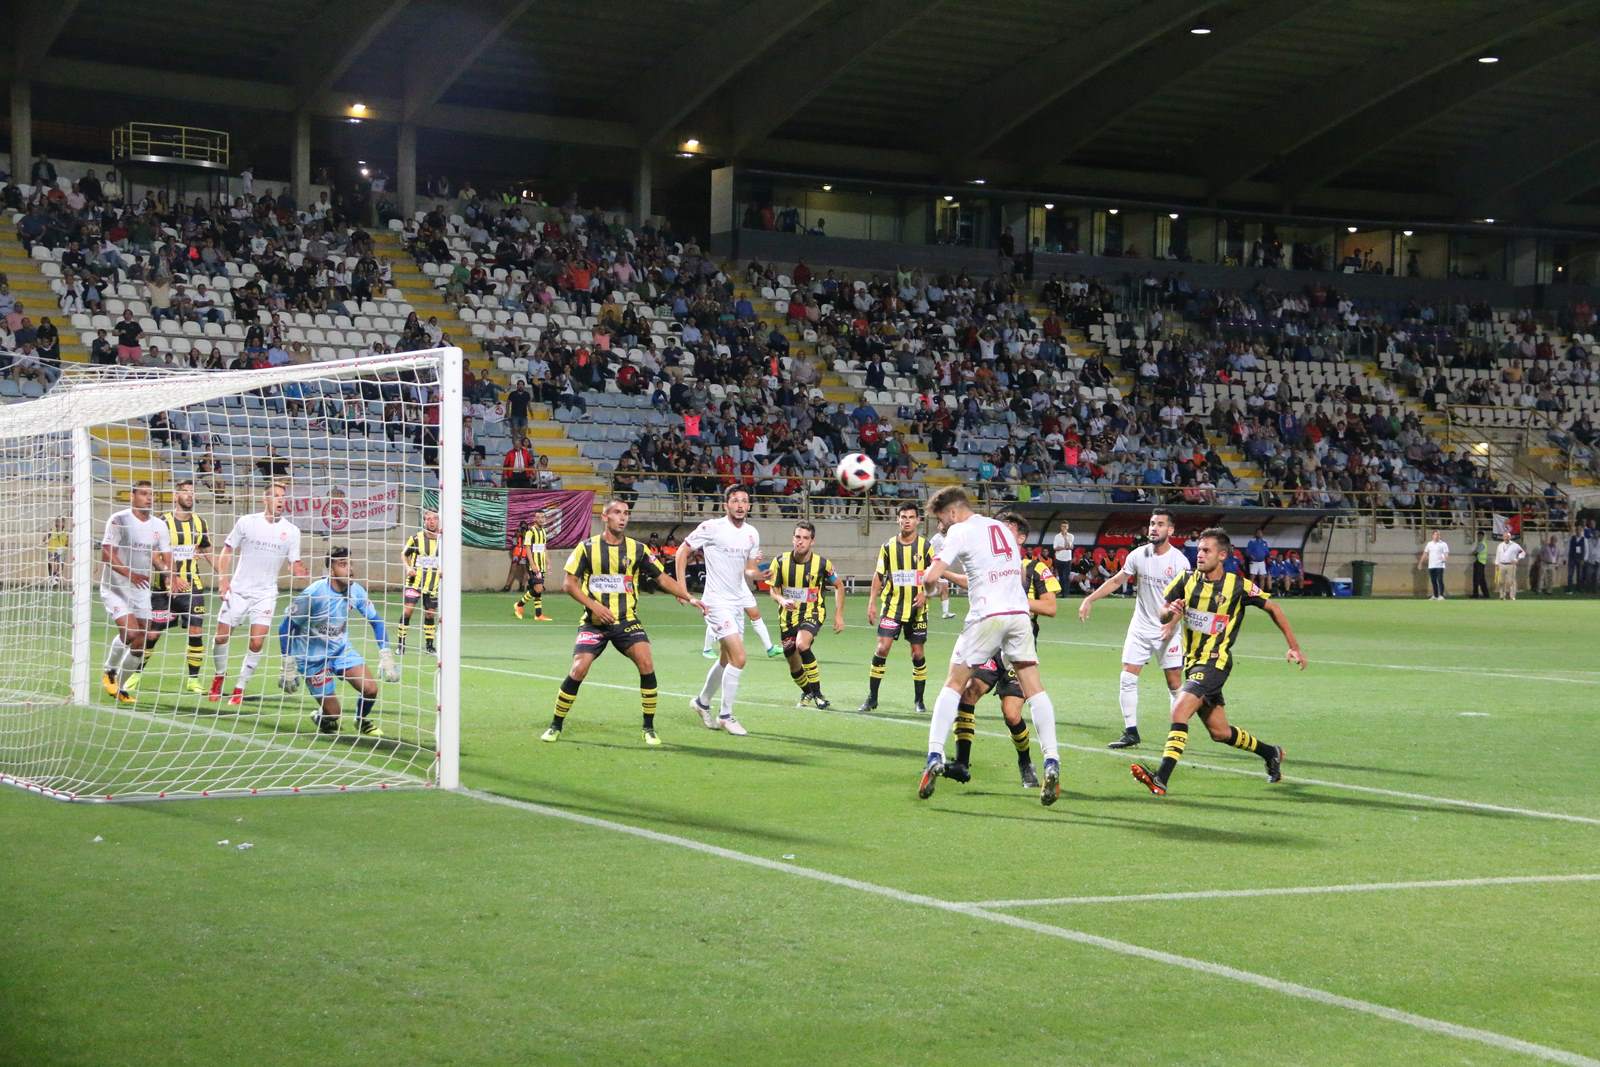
(535, 557)
(423, 575)
(55, 551)
(1209, 604)
(1042, 585)
(893, 608)
(798, 580)
(181, 600)
(604, 574)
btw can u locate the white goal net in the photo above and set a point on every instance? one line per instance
(125, 674)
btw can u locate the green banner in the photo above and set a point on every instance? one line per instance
(483, 516)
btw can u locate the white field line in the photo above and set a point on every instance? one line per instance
(1288, 891)
(1475, 805)
(1423, 668)
(1424, 1023)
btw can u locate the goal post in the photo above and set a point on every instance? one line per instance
(106, 691)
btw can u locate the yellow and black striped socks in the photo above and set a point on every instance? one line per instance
(430, 633)
(647, 699)
(1177, 740)
(813, 671)
(1250, 742)
(875, 677)
(401, 632)
(966, 729)
(565, 698)
(195, 654)
(919, 676)
(798, 676)
(1019, 737)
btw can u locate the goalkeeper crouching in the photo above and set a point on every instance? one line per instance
(314, 640)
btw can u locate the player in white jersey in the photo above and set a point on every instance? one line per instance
(998, 624)
(731, 548)
(1153, 566)
(134, 547)
(252, 557)
(935, 543)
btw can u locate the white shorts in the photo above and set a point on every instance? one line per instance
(236, 607)
(1009, 636)
(1143, 645)
(724, 621)
(120, 603)
(1258, 569)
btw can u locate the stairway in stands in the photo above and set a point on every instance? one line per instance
(32, 290)
(548, 436)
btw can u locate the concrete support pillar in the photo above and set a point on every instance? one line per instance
(406, 168)
(300, 160)
(21, 130)
(641, 187)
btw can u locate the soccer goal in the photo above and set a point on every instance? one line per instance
(92, 708)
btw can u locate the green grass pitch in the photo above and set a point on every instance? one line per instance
(785, 898)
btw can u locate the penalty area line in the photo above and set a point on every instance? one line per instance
(1287, 891)
(1312, 994)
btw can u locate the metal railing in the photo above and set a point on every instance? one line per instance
(167, 142)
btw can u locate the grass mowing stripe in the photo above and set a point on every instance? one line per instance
(1425, 1023)
(1290, 891)
(1476, 805)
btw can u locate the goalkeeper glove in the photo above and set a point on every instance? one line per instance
(388, 669)
(289, 678)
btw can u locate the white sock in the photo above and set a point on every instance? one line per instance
(944, 602)
(132, 663)
(730, 689)
(219, 657)
(1174, 694)
(708, 692)
(761, 631)
(251, 660)
(707, 643)
(945, 708)
(1044, 724)
(115, 653)
(1128, 699)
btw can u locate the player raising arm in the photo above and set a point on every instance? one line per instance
(997, 624)
(1209, 604)
(314, 639)
(603, 574)
(247, 582)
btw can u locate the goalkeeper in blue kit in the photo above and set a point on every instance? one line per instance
(314, 640)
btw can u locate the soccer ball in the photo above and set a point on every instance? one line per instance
(857, 472)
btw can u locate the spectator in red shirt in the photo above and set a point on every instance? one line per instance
(517, 469)
(724, 468)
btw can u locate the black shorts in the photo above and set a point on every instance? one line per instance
(593, 637)
(1000, 680)
(535, 575)
(176, 609)
(1206, 681)
(914, 630)
(787, 634)
(430, 601)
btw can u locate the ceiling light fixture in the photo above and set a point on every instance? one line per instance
(1489, 221)
(827, 187)
(1405, 233)
(1488, 59)
(1351, 229)
(358, 108)
(1111, 211)
(980, 181)
(948, 198)
(1173, 215)
(1200, 29)
(691, 144)
(684, 155)
(1049, 207)
(365, 173)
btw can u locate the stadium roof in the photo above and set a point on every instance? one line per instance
(1310, 104)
